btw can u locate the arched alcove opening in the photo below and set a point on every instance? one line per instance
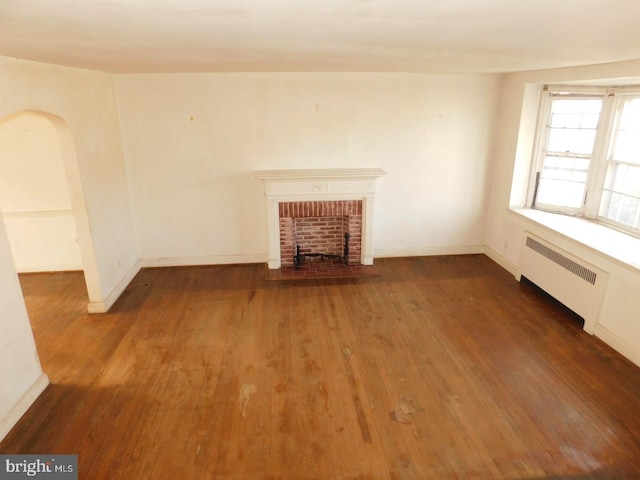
(42, 200)
(34, 197)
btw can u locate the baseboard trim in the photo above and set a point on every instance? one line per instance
(618, 344)
(427, 251)
(48, 267)
(500, 260)
(107, 303)
(20, 408)
(202, 260)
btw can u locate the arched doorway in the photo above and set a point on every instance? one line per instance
(42, 201)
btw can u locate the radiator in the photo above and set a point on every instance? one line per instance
(569, 279)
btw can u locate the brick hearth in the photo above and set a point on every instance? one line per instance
(322, 269)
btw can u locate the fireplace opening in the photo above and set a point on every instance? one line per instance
(320, 231)
(307, 253)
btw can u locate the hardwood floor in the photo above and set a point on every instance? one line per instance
(439, 368)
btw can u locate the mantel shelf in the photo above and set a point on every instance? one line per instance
(318, 175)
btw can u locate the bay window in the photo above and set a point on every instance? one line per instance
(587, 158)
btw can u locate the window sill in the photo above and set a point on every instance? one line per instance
(618, 246)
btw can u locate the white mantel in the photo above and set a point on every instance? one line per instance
(320, 185)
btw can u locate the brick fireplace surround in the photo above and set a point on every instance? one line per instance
(315, 208)
(320, 227)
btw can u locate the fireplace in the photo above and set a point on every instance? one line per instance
(320, 230)
(323, 213)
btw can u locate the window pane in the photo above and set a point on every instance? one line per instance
(581, 164)
(631, 183)
(565, 168)
(619, 173)
(572, 127)
(627, 210)
(630, 115)
(607, 204)
(621, 196)
(627, 146)
(590, 120)
(560, 192)
(571, 140)
(581, 106)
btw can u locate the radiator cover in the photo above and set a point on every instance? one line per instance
(571, 280)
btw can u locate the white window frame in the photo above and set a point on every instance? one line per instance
(613, 100)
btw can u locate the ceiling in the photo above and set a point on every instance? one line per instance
(141, 36)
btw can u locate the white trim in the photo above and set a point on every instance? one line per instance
(273, 227)
(38, 214)
(107, 303)
(617, 343)
(320, 175)
(202, 260)
(428, 251)
(20, 408)
(47, 267)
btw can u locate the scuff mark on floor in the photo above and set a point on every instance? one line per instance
(405, 410)
(246, 391)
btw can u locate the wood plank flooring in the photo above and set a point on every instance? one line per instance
(439, 368)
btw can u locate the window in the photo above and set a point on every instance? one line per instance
(587, 160)
(621, 191)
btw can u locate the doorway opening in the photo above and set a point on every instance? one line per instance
(42, 203)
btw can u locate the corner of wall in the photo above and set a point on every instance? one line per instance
(20, 408)
(104, 305)
(618, 343)
(502, 261)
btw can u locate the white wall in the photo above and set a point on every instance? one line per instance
(82, 106)
(193, 142)
(619, 320)
(21, 378)
(34, 197)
